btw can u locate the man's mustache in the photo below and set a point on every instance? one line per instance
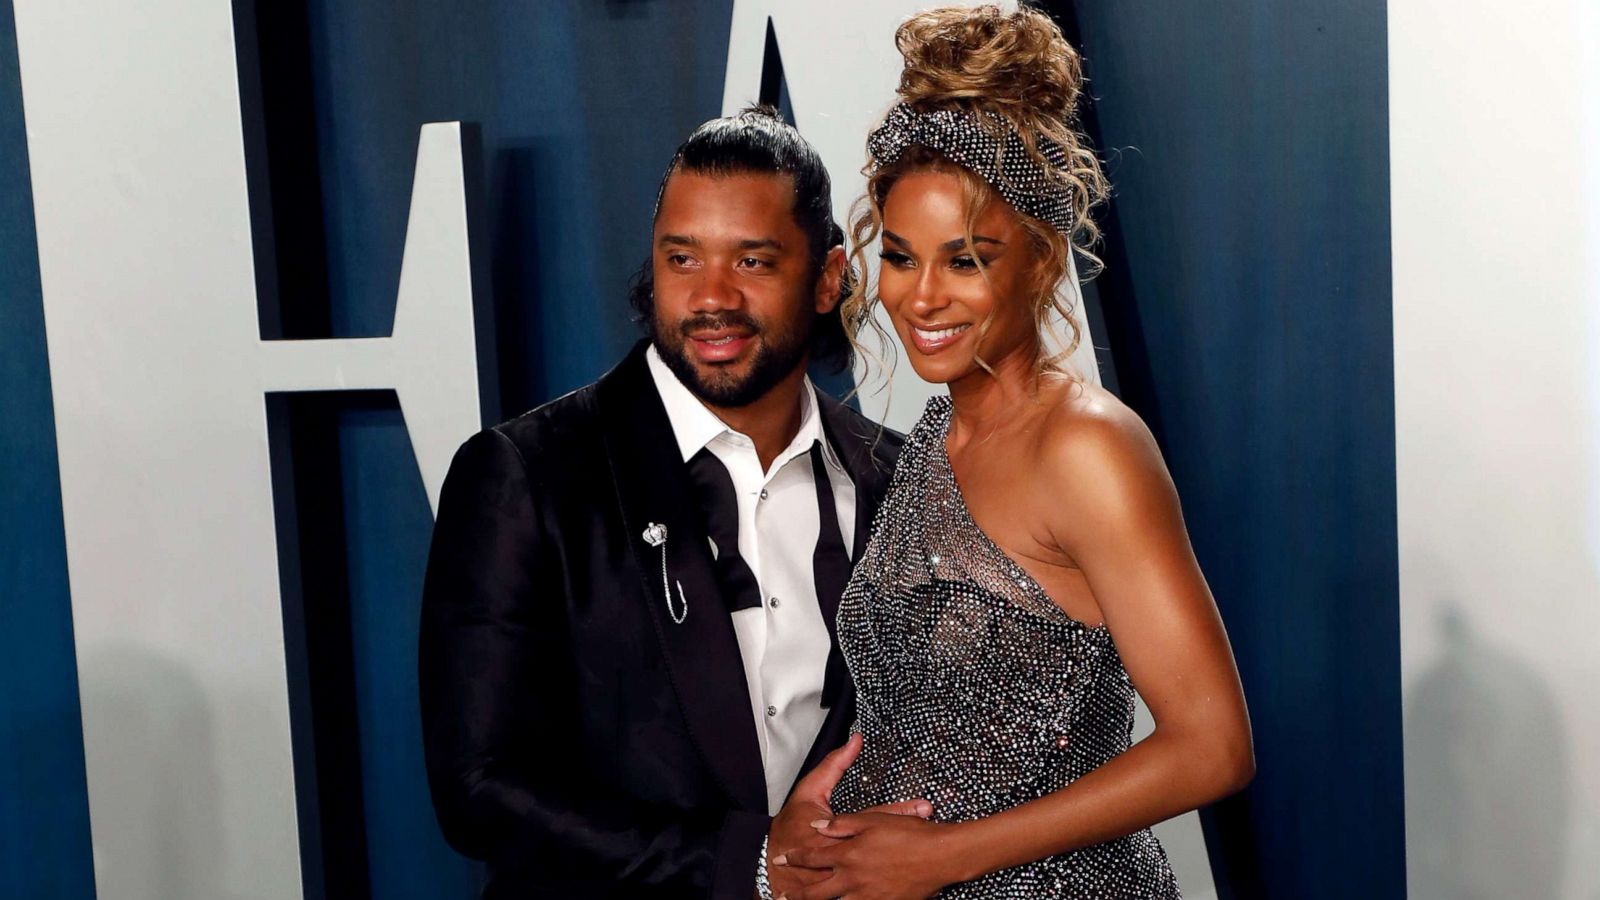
(718, 321)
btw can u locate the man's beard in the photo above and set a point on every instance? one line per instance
(778, 352)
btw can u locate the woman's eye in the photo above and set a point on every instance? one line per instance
(898, 260)
(963, 262)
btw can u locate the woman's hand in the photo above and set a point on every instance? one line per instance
(793, 827)
(879, 857)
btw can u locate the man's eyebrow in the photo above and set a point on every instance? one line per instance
(684, 240)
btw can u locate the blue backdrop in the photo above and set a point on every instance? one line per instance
(1249, 310)
(44, 808)
(1246, 314)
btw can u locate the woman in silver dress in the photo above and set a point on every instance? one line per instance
(1030, 567)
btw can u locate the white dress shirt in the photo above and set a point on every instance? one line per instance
(784, 642)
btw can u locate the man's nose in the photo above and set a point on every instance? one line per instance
(716, 290)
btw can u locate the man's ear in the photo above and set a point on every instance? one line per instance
(828, 285)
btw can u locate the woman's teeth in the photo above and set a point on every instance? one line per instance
(941, 334)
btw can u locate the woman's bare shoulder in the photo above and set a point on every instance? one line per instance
(1084, 423)
(1097, 454)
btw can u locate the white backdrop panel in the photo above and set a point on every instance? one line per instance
(1496, 188)
(159, 375)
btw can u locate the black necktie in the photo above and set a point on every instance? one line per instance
(830, 566)
(713, 486)
(830, 562)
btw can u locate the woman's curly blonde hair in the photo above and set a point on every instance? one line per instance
(1018, 67)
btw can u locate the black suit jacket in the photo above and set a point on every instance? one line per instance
(577, 739)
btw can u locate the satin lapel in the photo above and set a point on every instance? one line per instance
(864, 451)
(834, 732)
(702, 652)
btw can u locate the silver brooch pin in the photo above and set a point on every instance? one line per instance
(656, 536)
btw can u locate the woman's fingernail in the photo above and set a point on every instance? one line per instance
(821, 823)
(780, 860)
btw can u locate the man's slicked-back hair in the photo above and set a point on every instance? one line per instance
(758, 141)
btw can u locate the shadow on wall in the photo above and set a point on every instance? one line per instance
(170, 743)
(1488, 775)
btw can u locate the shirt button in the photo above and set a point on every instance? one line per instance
(772, 711)
(773, 602)
(763, 493)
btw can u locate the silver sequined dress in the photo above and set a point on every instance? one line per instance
(976, 691)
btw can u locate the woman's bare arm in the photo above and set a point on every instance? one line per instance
(1111, 507)
(1116, 514)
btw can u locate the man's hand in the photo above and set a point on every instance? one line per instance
(875, 857)
(810, 802)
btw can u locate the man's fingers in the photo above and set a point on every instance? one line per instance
(919, 808)
(818, 786)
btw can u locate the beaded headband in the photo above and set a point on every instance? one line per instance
(994, 153)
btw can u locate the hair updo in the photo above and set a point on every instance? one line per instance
(1016, 67)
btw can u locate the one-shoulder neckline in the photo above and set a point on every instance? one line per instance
(943, 409)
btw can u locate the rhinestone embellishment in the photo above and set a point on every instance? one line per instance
(974, 690)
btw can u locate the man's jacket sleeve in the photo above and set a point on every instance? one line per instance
(500, 726)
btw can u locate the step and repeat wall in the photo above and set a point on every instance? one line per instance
(264, 265)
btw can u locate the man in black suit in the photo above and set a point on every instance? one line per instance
(627, 651)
